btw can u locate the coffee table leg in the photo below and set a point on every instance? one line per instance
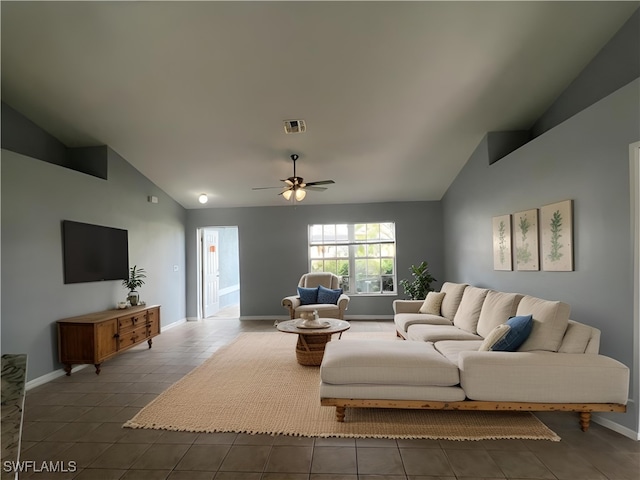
(302, 343)
(307, 355)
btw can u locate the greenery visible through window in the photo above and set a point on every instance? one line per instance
(363, 255)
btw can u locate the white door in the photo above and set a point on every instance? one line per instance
(210, 272)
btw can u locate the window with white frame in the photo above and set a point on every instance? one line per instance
(363, 255)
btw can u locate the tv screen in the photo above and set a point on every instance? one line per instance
(93, 253)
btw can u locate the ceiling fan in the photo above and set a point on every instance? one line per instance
(296, 187)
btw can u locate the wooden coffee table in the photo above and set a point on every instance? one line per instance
(311, 341)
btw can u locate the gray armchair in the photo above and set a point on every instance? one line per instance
(326, 310)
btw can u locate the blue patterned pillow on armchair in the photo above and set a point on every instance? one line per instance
(308, 296)
(327, 295)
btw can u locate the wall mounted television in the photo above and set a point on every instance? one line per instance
(94, 253)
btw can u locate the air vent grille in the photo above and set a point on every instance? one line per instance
(295, 126)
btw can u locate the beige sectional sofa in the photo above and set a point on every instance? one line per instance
(445, 364)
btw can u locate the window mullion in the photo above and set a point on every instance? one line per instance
(352, 259)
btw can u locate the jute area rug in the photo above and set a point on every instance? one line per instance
(254, 385)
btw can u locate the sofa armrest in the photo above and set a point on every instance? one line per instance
(540, 376)
(407, 306)
(292, 302)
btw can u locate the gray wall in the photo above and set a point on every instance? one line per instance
(617, 64)
(586, 159)
(273, 248)
(36, 197)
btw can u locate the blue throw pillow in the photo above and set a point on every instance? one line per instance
(308, 296)
(326, 295)
(519, 329)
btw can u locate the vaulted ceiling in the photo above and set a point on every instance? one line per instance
(395, 95)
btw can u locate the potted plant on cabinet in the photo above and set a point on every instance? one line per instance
(133, 283)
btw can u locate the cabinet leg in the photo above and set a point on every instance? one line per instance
(340, 411)
(67, 368)
(150, 341)
(97, 365)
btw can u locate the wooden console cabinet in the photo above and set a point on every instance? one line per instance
(95, 337)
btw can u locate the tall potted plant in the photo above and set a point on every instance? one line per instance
(133, 283)
(418, 288)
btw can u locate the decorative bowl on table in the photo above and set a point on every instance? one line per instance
(312, 324)
(311, 320)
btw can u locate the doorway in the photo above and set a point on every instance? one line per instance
(218, 273)
(634, 154)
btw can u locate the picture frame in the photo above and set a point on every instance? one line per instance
(525, 233)
(502, 257)
(556, 224)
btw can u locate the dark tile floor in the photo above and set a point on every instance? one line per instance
(79, 419)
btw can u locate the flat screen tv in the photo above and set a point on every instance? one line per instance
(94, 253)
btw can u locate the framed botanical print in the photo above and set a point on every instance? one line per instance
(525, 232)
(502, 243)
(556, 224)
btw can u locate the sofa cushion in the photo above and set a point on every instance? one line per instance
(451, 349)
(550, 320)
(576, 338)
(468, 312)
(435, 333)
(404, 320)
(432, 303)
(498, 307)
(508, 336)
(386, 362)
(308, 296)
(544, 377)
(327, 295)
(365, 391)
(451, 300)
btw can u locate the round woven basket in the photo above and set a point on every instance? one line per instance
(310, 349)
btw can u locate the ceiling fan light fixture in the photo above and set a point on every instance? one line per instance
(300, 194)
(297, 193)
(295, 187)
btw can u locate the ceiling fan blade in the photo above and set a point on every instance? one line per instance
(315, 189)
(263, 188)
(321, 182)
(288, 181)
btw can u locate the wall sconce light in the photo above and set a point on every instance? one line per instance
(203, 198)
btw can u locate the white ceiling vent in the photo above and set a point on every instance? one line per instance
(295, 126)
